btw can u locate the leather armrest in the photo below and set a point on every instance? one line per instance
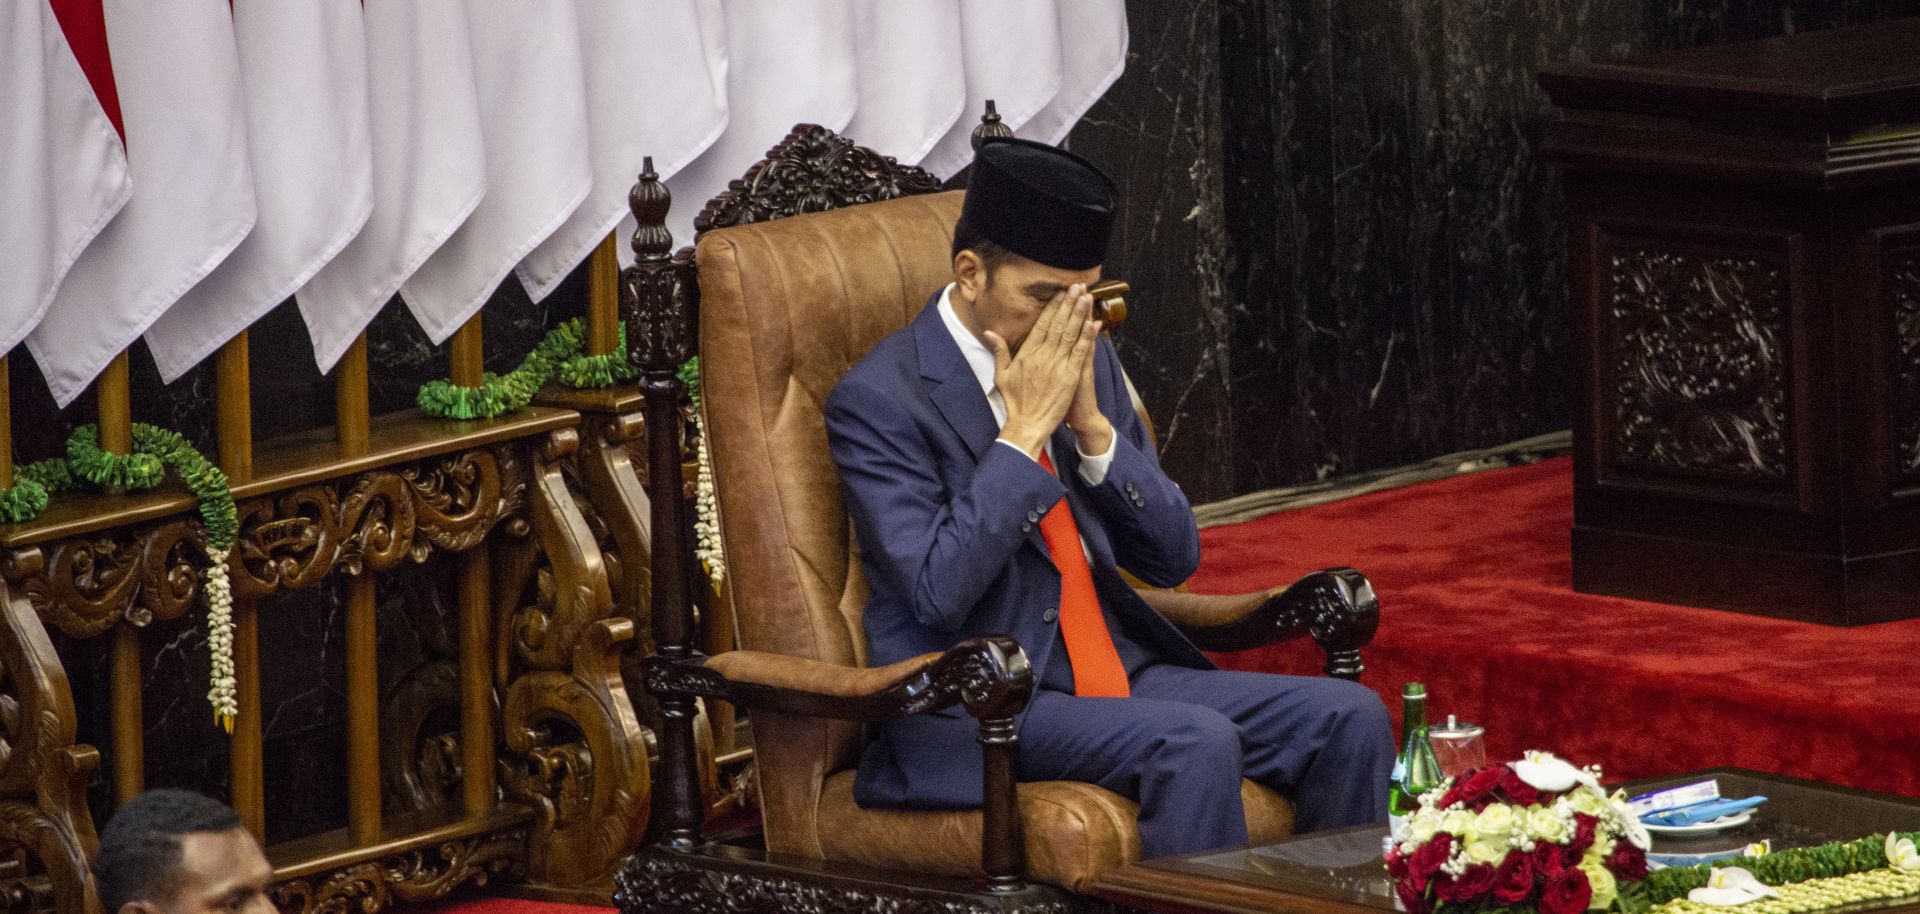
(1336, 606)
(990, 676)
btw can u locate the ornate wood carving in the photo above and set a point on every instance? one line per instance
(1699, 344)
(415, 876)
(420, 740)
(44, 821)
(584, 760)
(288, 541)
(659, 881)
(1901, 281)
(812, 170)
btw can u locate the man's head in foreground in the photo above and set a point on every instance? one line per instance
(175, 852)
(1035, 221)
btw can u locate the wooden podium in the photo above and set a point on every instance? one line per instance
(1743, 225)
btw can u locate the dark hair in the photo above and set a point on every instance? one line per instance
(140, 847)
(967, 238)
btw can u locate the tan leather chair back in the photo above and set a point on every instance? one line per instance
(786, 307)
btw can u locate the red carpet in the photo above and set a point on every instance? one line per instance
(1474, 577)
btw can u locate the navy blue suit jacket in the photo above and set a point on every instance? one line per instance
(944, 517)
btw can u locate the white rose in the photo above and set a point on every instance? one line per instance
(1545, 825)
(1488, 852)
(1422, 827)
(1496, 819)
(1591, 802)
(1458, 822)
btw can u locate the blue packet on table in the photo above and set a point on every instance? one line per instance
(1696, 813)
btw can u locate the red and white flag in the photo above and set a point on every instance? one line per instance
(787, 63)
(304, 69)
(913, 85)
(1093, 54)
(1012, 54)
(178, 78)
(63, 170)
(533, 116)
(676, 116)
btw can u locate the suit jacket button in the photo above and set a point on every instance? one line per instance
(1026, 527)
(1050, 615)
(1033, 517)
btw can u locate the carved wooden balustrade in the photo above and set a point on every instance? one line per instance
(512, 751)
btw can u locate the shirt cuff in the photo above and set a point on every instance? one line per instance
(1093, 468)
(1023, 451)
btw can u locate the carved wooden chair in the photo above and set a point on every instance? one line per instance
(785, 303)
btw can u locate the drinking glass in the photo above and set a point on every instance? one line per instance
(1459, 746)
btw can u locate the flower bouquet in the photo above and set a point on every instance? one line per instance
(1535, 834)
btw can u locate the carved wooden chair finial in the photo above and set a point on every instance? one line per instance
(990, 127)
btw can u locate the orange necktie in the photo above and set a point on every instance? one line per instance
(1097, 670)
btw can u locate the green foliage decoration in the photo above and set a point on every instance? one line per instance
(1839, 858)
(561, 355)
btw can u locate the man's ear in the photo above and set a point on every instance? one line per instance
(969, 274)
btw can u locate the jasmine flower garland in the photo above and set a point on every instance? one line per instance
(155, 450)
(706, 511)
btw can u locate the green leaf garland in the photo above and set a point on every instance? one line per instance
(1840, 858)
(560, 354)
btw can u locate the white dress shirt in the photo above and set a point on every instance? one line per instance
(1093, 468)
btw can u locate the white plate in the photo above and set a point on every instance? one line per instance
(1703, 828)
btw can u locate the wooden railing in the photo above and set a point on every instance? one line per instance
(544, 514)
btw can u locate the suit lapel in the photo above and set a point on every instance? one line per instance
(951, 385)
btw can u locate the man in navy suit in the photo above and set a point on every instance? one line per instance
(948, 436)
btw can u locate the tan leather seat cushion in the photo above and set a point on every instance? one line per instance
(1074, 831)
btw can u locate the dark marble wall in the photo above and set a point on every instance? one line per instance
(1345, 249)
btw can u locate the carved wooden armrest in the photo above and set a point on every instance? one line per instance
(990, 676)
(1334, 605)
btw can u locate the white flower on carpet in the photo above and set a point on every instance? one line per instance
(1901, 854)
(1730, 886)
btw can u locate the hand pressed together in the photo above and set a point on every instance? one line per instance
(1050, 380)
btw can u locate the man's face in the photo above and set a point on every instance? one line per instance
(1010, 300)
(221, 873)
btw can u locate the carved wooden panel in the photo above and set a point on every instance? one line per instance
(1700, 358)
(813, 170)
(1901, 280)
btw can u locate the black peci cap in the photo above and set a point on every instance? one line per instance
(1041, 202)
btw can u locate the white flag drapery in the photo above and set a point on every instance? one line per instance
(1093, 52)
(304, 69)
(533, 117)
(177, 74)
(429, 165)
(913, 85)
(63, 170)
(787, 63)
(625, 127)
(1012, 53)
(428, 147)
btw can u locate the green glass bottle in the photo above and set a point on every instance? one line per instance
(1416, 770)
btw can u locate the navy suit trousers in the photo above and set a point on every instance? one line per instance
(1180, 745)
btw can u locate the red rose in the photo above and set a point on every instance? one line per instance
(1566, 892)
(1414, 900)
(1427, 860)
(1583, 828)
(1396, 864)
(1547, 860)
(1628, 862)
(1471, 885)
(1477, 791)
(1514, 882)
(1517, 790)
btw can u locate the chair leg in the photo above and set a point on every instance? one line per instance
(1003, 850)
